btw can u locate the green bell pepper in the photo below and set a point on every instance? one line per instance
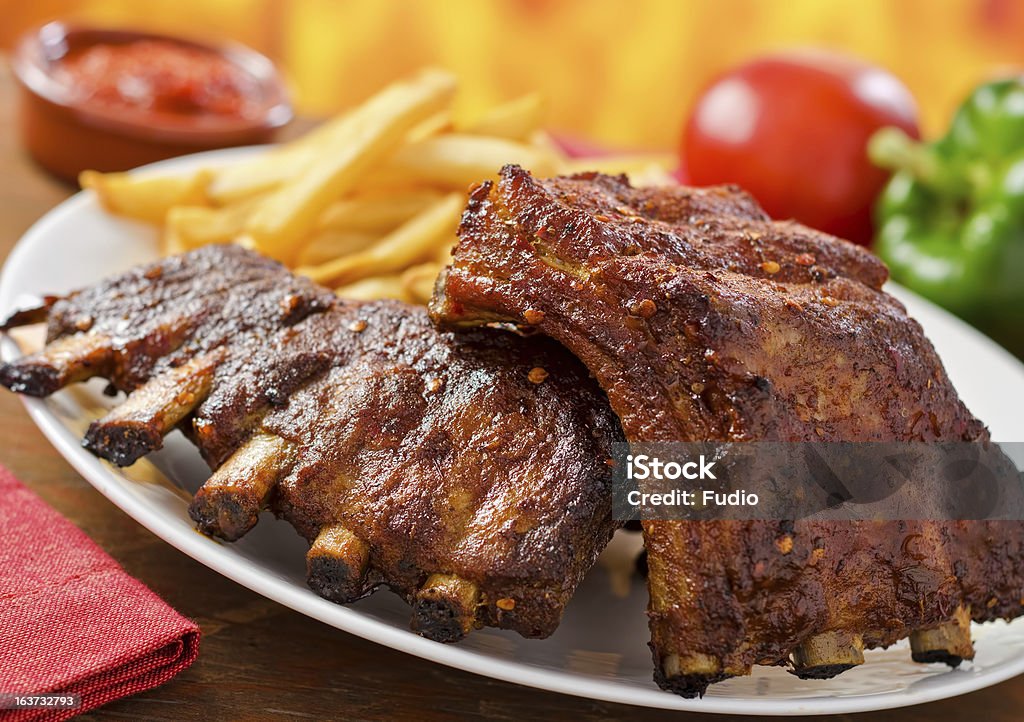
(951, 219)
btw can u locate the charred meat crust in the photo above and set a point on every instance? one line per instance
(824, 671)
(400, 452)
(938, 656)
(688, 686)
(703, 319)
(122, 444)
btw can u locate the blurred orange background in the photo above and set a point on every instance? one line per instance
(623, 72)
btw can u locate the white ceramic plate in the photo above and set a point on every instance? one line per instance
(600, 650)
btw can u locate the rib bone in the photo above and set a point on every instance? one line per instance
(29, 316)
(949, 643)
(444, 609)
(229, 503)
(689, 675)
(827, 654)
(336, 564)
(65, 361)
(137, 426)
(696, 663)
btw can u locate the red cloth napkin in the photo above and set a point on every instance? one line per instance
(72, 621)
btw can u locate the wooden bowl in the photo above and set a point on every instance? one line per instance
(67, 133)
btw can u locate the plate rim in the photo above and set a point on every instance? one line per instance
(208, 552)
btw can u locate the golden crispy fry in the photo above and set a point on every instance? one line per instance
(623, 163)
(413, 241)
(146, 197)
(378, 213)
(516, 120)
(200, 225)
(331, 243)
(438, 123)
(456, 161)
(170, 243)
(246, 242)
(643, 169)
(418, 281)
(368, 201)
(651, 177)
(542, 139)
(372, 131)
(277, 166)
(443, 254)
(260, 174)
(370, 289)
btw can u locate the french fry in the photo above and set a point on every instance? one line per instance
(628, 163)
(443, 254)
(418, 281)
(201, 225)
(376, 213)
(370, 289)
(372, 131)
(652, 176)
(246, 241)
(330, 243)
(261, 173)
(277, 166)
(368, 201)
(433, 125)
(170, 243)
(456, 161)
(145, 197)
(413, 241)
(643, 169)
(515, 120)
(542, 139)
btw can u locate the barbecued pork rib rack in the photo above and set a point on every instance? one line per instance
(704, 320)
(408, 457)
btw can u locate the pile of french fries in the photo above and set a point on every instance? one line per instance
(368, 202)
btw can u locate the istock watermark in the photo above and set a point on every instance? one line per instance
(821, 480)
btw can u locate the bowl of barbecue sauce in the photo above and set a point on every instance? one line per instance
(112, 100)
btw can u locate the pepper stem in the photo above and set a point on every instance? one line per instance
(894, 150)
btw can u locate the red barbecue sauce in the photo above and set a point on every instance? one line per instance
(162, 77)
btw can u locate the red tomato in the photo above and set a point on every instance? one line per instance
(793, 130)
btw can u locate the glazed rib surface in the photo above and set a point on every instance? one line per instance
(408, 457)
(703, 319)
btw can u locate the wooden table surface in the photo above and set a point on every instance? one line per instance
(260, 660)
